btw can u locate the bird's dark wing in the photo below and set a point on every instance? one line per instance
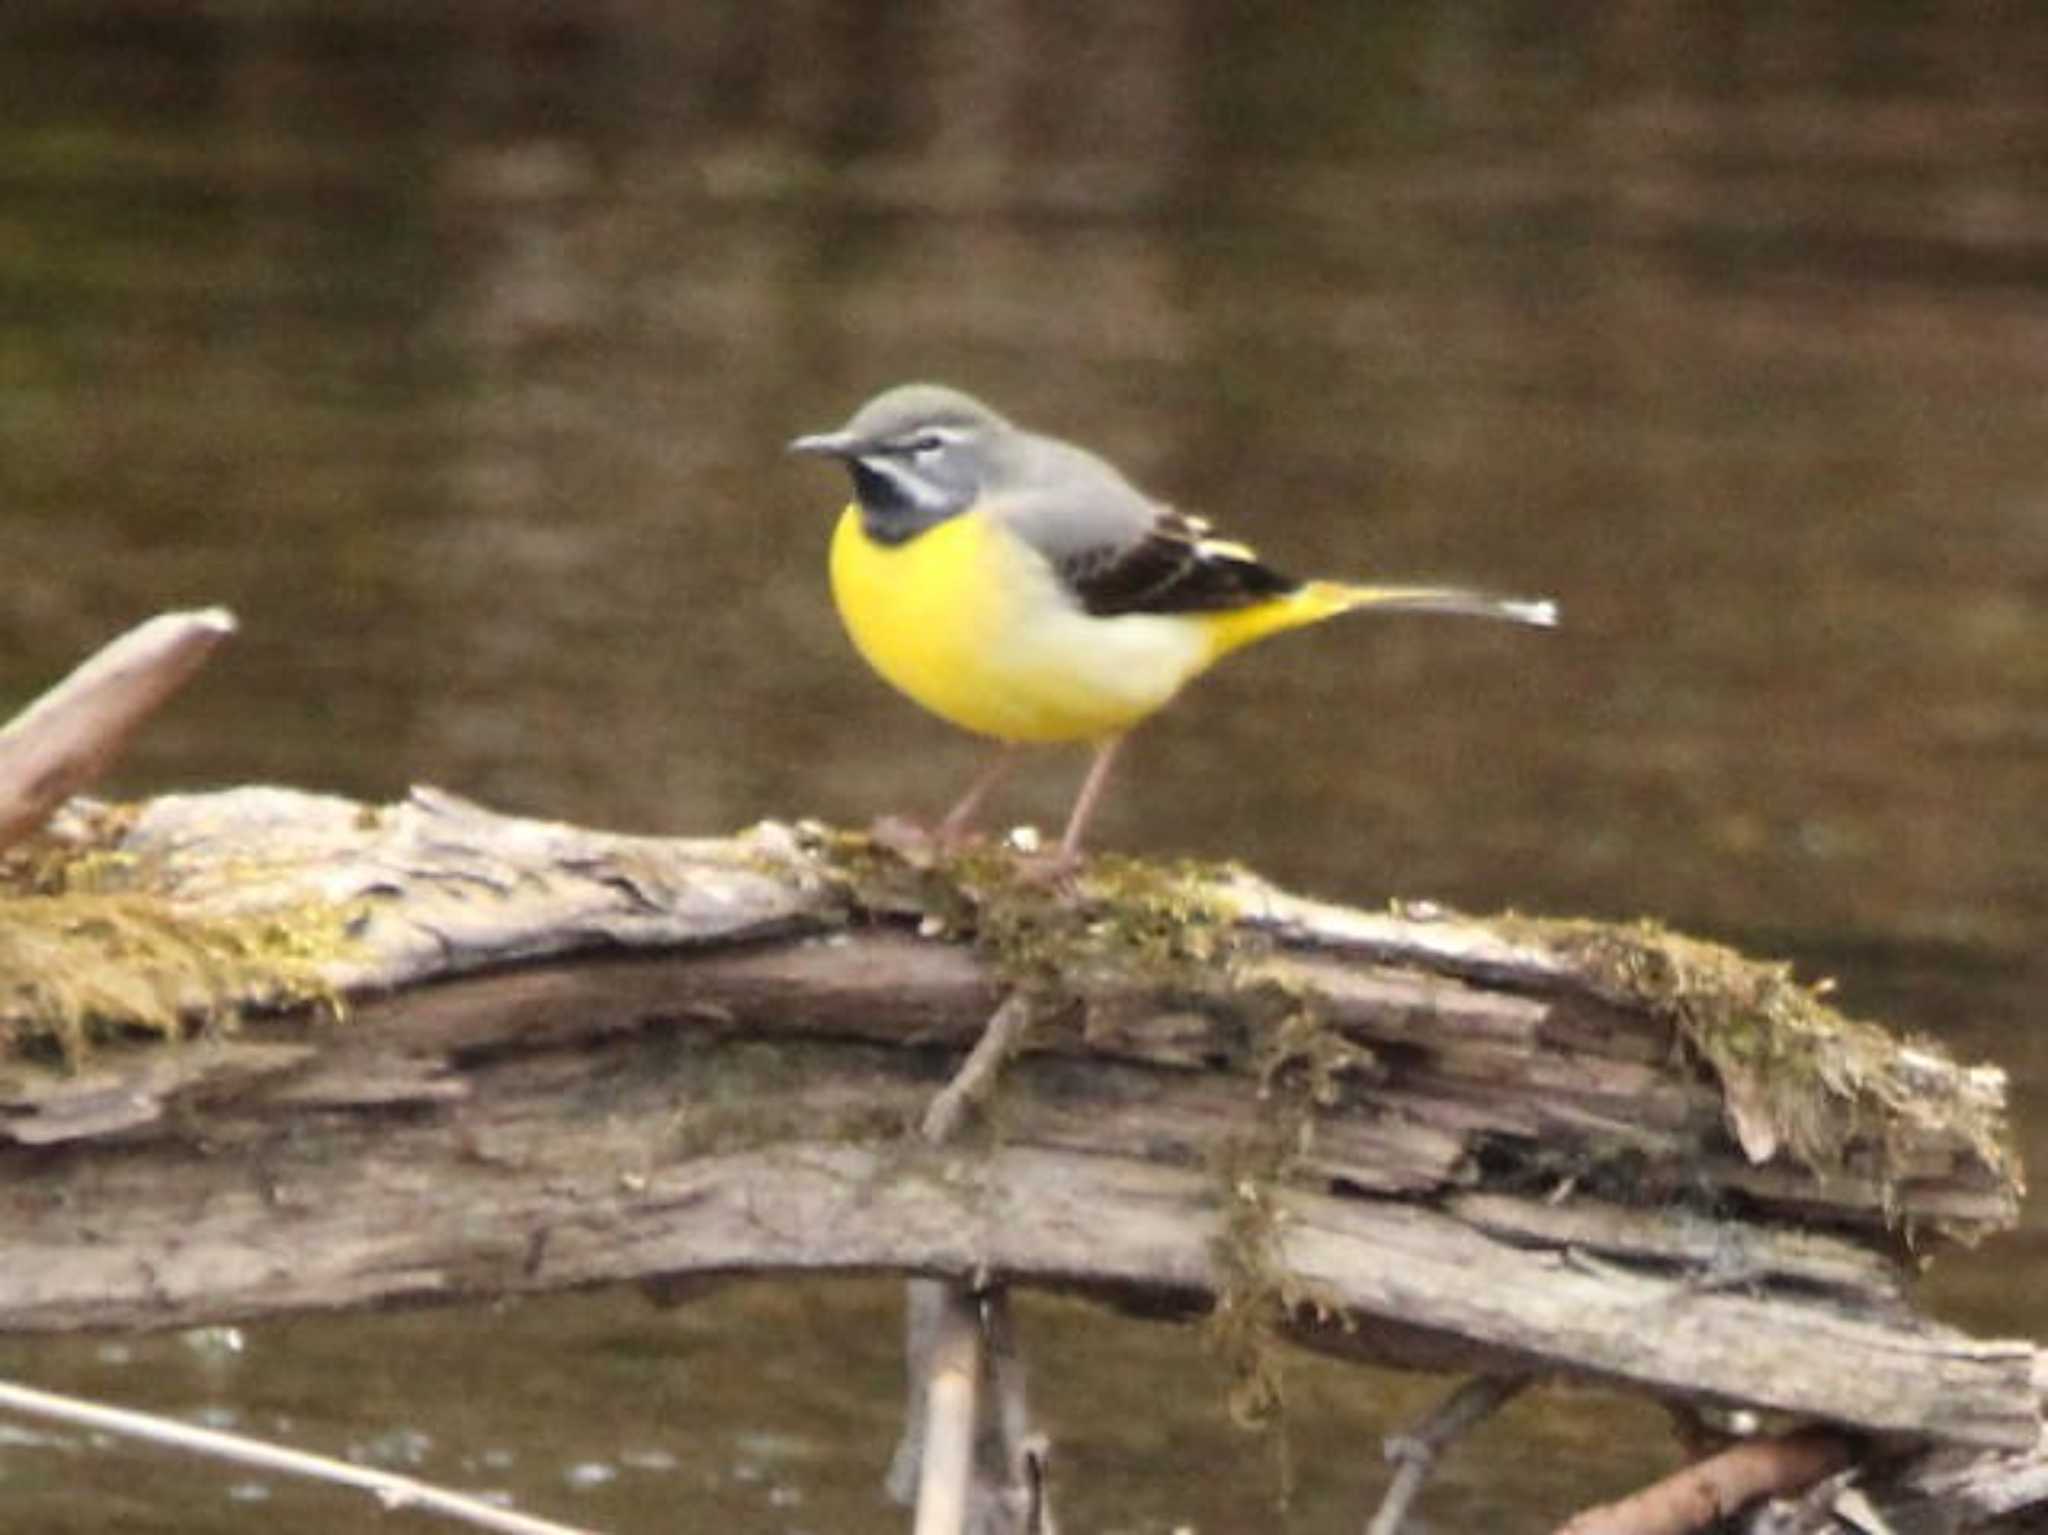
(1173, 567)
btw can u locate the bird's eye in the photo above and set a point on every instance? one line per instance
(928, 442)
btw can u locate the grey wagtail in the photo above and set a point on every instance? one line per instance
(1021, 588)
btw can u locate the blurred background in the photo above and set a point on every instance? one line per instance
(453, 343)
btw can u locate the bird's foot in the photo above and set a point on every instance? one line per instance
(1054, 868)
(919, 845)
(924, 847)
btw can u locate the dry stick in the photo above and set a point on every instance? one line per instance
(1029, 1451)
(1711, 1489)
(938, 1338)
(924, 1302)
(952, 1409)
(977, 1074)
(64, 740)
(1414, 1453)
(394, 1492)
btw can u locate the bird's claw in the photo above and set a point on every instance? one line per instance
(917, 844)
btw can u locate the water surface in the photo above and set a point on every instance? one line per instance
(453, 345)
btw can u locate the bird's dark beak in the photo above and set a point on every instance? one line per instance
(827, 445)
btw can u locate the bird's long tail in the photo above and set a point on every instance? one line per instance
(1340, 597)
(1315, 601)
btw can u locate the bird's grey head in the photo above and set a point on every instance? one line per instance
(918, 453)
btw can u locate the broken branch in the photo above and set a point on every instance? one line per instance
(62, 742)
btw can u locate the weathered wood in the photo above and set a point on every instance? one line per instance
(63, 741)
(1421, 1137)
(953, 1407)
(1948, 1489)
(1711, 1490)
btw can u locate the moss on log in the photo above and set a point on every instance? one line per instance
(271, 1051)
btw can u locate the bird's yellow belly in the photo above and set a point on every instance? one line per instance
(973, 624)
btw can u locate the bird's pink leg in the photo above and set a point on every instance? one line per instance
(953, 829)
(1084, 802)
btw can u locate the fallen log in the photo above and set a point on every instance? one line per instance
(269, 1051)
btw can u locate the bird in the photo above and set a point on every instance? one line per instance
(1023, 589)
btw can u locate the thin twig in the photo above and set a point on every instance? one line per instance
(1710, 1489)
(924, 1300)
(977, 1074)
(952, 1410)
(1414, 1453)
(957, 1336)
(393, 1491)
(1026, 1452)
(65, 739)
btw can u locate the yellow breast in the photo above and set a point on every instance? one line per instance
(973, 624)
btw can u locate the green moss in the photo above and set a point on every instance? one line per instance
(1157, 925)
(1795, 1072)
(1243, 1326)
(1257, 1295)
(1299, 1048)
(89, 950)
(1118, 924)
(1161, 925)
(87, 858)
